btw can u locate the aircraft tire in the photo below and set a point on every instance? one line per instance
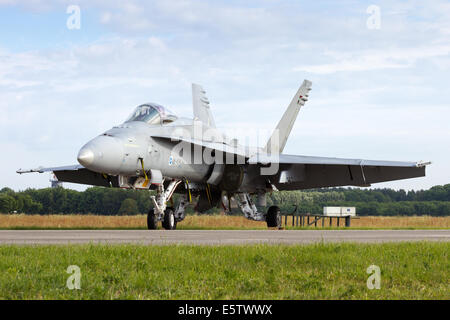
(152, 221)
(169, 222)
(273, 217)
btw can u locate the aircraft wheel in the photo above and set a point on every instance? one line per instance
(273, 217)
(169, 222)
(152, 221)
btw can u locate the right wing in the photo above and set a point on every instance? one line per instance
(201, 107)
(78, 174)
(305, 172)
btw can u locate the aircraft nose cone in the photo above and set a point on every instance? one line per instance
(102, 154)
(85, 157)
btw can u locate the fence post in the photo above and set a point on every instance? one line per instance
(347, 221)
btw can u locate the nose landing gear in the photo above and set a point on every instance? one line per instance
(167, 215)
(169, 222)
(152, 220)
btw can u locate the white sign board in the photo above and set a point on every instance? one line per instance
(339, 211)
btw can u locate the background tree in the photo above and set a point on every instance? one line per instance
(129, 207)
(109, 201)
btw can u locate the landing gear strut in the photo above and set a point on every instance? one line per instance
(248, 207)
(250, 211)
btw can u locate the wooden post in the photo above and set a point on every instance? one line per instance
(323, 221)
(347, 221)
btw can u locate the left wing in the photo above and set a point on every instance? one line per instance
(305, 172)
(78, 174)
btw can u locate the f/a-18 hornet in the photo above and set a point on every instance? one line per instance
(156, 150)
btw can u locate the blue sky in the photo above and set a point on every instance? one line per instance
(377, 93)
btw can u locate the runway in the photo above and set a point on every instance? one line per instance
(216, 237)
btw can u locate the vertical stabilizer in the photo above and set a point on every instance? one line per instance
(200, 103)
(278, 140)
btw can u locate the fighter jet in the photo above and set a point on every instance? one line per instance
(156, 150)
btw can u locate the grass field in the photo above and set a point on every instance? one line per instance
(18, 221)
(418, 270)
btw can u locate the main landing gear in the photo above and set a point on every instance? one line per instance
(273, 217)
(250, 211)
(167, 215)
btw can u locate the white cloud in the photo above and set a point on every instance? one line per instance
(392, 101)
(377, 59)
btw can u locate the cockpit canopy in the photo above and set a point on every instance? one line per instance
(153, 114)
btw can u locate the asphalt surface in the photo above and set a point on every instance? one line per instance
(216, 237)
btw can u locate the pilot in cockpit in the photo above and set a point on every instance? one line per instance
(152, 114)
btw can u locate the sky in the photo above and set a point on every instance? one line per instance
(380, 74)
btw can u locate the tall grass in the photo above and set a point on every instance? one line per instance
(17, 221)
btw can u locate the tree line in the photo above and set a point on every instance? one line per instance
(387, 202)
(111, 201)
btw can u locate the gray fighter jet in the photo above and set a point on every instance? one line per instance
(156, 150)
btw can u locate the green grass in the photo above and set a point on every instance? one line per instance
(419, 270)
